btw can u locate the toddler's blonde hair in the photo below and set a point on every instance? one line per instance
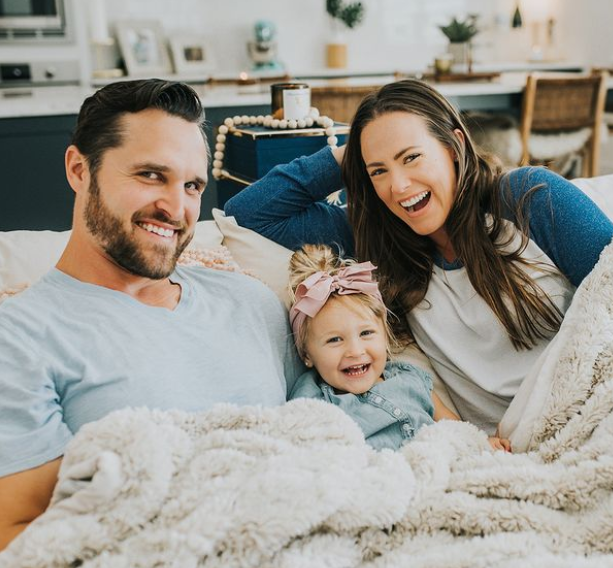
(321, 258)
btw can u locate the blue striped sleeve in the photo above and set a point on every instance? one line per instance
(566, 224)
(288, 204)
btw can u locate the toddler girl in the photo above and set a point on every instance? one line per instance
(342, 334)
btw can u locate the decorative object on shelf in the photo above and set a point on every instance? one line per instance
(312, 120)
(290, 100)
(443, 63)
(143, 47)
(191, 54)
(539, 16)
(102, 44)
(516, 21)
(263, 50)
(460, 34)
(349, 15)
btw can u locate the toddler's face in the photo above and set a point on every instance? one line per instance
(347, 345)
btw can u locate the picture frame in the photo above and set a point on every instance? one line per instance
(143, 47)
(191, 54)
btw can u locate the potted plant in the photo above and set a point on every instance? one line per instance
(344, 16)
(460, 33)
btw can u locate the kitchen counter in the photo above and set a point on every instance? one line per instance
(56, 101)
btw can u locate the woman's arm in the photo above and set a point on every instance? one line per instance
(564, 222)
(288, 204)
(441, 412)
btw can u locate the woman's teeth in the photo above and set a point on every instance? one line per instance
(409, 204)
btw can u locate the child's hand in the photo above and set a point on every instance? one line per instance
(499, 443)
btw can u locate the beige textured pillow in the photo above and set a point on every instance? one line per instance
(257, 254)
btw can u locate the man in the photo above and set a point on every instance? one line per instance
(115, 323)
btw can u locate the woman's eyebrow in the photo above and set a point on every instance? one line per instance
(403, 151)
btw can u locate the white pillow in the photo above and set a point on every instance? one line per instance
(600, 190)
(256, 254)
(25, 256)
(207, 236)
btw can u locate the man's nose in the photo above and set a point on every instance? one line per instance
(172, 202)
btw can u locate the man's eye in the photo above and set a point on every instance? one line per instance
(150, 175)
(194, 188)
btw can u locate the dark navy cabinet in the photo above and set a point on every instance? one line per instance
(252, 151)
(34, 192)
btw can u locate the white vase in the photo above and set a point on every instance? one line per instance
(461, 56)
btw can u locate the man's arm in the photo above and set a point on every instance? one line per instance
(23, 497)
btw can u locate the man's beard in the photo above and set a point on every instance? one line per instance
(122, 245)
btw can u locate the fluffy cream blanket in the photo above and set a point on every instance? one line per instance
(296, 486)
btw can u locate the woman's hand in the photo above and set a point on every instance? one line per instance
(338, 154)
(499, 443)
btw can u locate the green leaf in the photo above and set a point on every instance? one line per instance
(459, 31)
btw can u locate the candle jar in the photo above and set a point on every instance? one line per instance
(291, 101)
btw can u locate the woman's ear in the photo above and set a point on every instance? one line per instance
(461, 139)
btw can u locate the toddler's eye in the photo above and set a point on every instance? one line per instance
(367, 332)
(333, 340)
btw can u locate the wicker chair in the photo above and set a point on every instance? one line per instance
(339, 103)
(561, 117)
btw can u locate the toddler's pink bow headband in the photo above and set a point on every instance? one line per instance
(313, 293)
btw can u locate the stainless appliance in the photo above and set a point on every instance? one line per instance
(39, 73)
(27, 20)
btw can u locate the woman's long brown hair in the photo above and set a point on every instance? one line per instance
(475, 225)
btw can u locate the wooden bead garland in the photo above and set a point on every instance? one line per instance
(230, 124)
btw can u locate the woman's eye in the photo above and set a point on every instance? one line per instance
(410, 158)
(377, 172)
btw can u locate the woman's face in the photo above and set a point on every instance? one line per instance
(411, 171)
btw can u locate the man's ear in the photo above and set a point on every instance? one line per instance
(77, 169)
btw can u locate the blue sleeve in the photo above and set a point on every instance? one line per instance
(564, 222)
(307, 387)
(288, 204)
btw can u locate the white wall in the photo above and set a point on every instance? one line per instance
(398, 35)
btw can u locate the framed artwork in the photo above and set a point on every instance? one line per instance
(191, 54)
(143, 47)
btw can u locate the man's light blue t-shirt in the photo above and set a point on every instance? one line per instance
(72, 352)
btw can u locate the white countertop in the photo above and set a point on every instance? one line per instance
(55, 101)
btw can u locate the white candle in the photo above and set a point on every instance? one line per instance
(98, 25)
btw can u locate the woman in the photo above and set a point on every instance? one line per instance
(480, 264)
